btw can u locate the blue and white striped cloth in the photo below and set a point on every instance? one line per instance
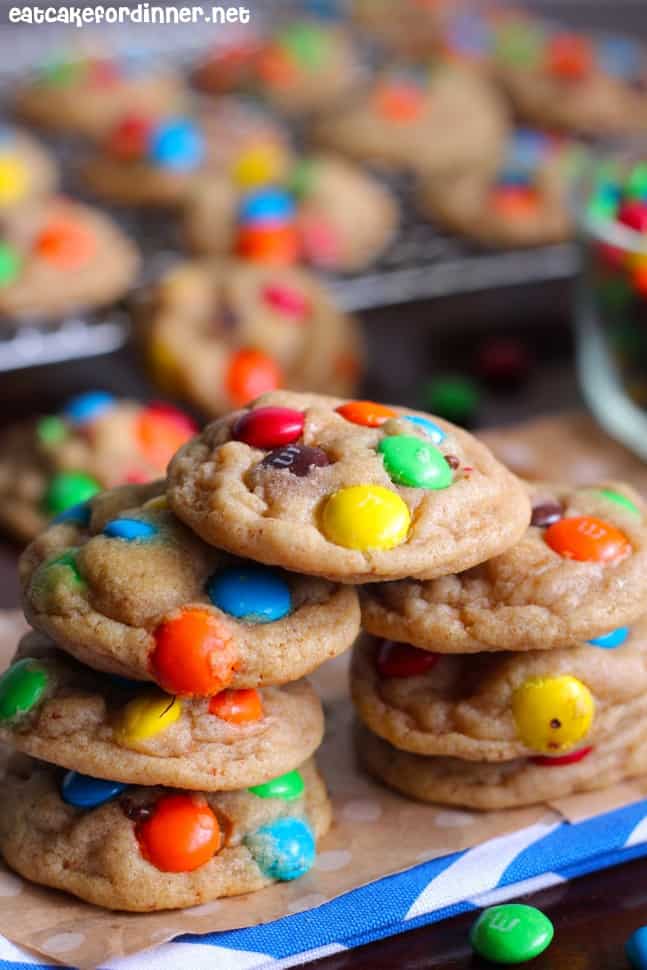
(525, 861)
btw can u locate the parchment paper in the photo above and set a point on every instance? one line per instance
(376, 832)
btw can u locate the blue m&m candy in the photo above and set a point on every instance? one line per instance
(130, 530)
(284, 849)
(621, 57)
(83, 791)
(429, 427)
(610, 640)
(636, 949)
(88, 406)
(80, 514)
(267, 205)
(253, 594)
(178, 144)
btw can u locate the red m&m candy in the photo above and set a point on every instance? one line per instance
(587, 539)
(570, 56)
(565, 759)
(269, 427)
(286, 300)
(403, 660)
(194, 654)
(182, 833)
(633, 213)
(250, 374)
(237, 706)
(366, 413)
(130, 138)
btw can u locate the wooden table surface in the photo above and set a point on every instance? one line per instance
(593, 916)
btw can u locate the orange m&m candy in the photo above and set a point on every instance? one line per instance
(366, 413)
(182, 834)
(570, 56)
(587, 539)
(237, 706)
(399, 101)
(160, 431)
(250, 374)
(276, 68)
(514, 202)
(66, 244)
(275, 244)
(194, 654)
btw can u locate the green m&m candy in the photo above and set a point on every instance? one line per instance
(453, 397)
(10, 264)
(636, 185)
(620, 499)
(66, 560)
(68, 488)
(511, 933)
(51, 430)
(21, 688)
(307, 43)
(414, 462)
(289, 787)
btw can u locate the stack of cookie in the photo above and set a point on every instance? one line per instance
(202, 784)
(522, 679)
(165, 676)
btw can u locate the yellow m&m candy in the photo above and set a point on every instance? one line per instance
(259, 165)
(146, 716)
(13, 180)
(164, 367)
(365, 517)
(552, 713)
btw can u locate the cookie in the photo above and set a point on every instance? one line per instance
(343, 218)
(157, 162)
(302, 67)
(148, 849)
(578, 573)
(124, 587)
(524, 203)
(96, 441)
(61, 256)
(85, 96)
(123, 731)
(498, 707)
(573, 81)
(407, 120)
(27, 171)
(414, 31)
(351, 490)
(510, 784)
(220, 333)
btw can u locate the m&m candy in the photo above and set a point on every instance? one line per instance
(250, 374)
(399, 100)
(253, 594)
(51, 430)
(237, 706)
(130, 138)
(260, 164)
(88, 407)
(284, 849)
(266, 205)
(286, 300)
(299, 460)
(68, 488)
(83, 791)
(411, 461)
(556, 761)
(160, 430)
(289, 787)
(21, 688)
(611, 640)
(545, 514)
(269, 427)
(569, 56)
(10, 264)
(633, 213)
(429, 427)
(394, 659)
(366, 413)
(587, 539)
(145, 717)
(65, 561)
(130, 530)
(177, 144)
(181, 834)
(365, 517)
(620, 500)
(552, 714)
(454, 398)
(79, 514)
(14, 180)
(636, 949)
(511, 933)
(194, 654)
(66, 244)
(273, 243)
